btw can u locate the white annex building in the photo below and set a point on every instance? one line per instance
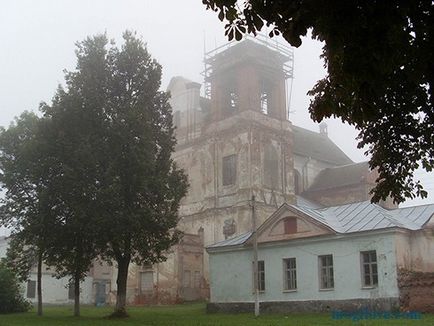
(313, 258)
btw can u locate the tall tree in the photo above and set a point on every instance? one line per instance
(75, 128)
(116, 129)
(24, 208)
(380, 61)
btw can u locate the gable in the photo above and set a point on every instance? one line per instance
(288, 225)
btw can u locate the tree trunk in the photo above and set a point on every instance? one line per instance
(77, 295)
(39, 284)
(121, 296)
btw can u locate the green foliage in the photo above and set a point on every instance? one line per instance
(380, 61)
(117, 187)
(11, 299)
(25, 208)
(20, 258)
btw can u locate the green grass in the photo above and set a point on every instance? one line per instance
(188, 314)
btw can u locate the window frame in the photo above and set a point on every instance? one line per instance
(373, 276)
(288, 274)
(33, 287)
(326, 273)
(229, 178)
(261, 276)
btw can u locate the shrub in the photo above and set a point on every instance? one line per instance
(11, 299)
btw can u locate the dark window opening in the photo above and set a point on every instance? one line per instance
(326, 272)
(261, 276)
(233, 100)
(229, 170)
(369, 268)
(31, 289)
(297, 183)
(264, 102)
(71, 290)
(290, 272)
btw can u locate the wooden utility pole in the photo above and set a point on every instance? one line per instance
(255, 258)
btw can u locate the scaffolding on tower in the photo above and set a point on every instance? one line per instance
(272, 44)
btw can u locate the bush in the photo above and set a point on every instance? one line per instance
(11, 299)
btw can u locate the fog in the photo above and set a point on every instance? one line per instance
(38, 44)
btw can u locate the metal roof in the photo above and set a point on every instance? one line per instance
(352, 218)
(317, 146)
(339, 176)
(237, 240)
(365, 216)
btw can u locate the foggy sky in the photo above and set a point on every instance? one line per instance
(37, 44)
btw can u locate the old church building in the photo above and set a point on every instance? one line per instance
(237, 142)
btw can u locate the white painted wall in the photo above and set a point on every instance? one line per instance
(55, 291)
(231, 271)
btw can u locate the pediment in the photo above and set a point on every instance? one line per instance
(288, 224)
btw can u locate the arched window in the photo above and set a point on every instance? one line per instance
(271, 167)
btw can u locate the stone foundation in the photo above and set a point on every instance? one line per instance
(416, 291)
(383, 304)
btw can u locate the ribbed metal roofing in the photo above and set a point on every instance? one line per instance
(365, 216)
(352, 218)
(237, 240)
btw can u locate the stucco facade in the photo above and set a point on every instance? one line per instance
(232, 277)
(370, 252)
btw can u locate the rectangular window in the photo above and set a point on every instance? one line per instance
(290, 274)
(229, 169)
(31, 289)
(264, 102)
(233, 101)
(261, 276)
(71, 291)
(146, 281)
(369, 268)
(197, 278)
(186, 280)
(326, 272)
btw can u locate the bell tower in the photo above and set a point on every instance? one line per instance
(244, 146)
(248, 76)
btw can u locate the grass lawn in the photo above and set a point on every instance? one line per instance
(188, 314)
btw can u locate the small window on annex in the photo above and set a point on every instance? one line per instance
(271, 167)
(229, 172)
(261, 276)
(326, 278)
(290, 274)
(369, 268)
